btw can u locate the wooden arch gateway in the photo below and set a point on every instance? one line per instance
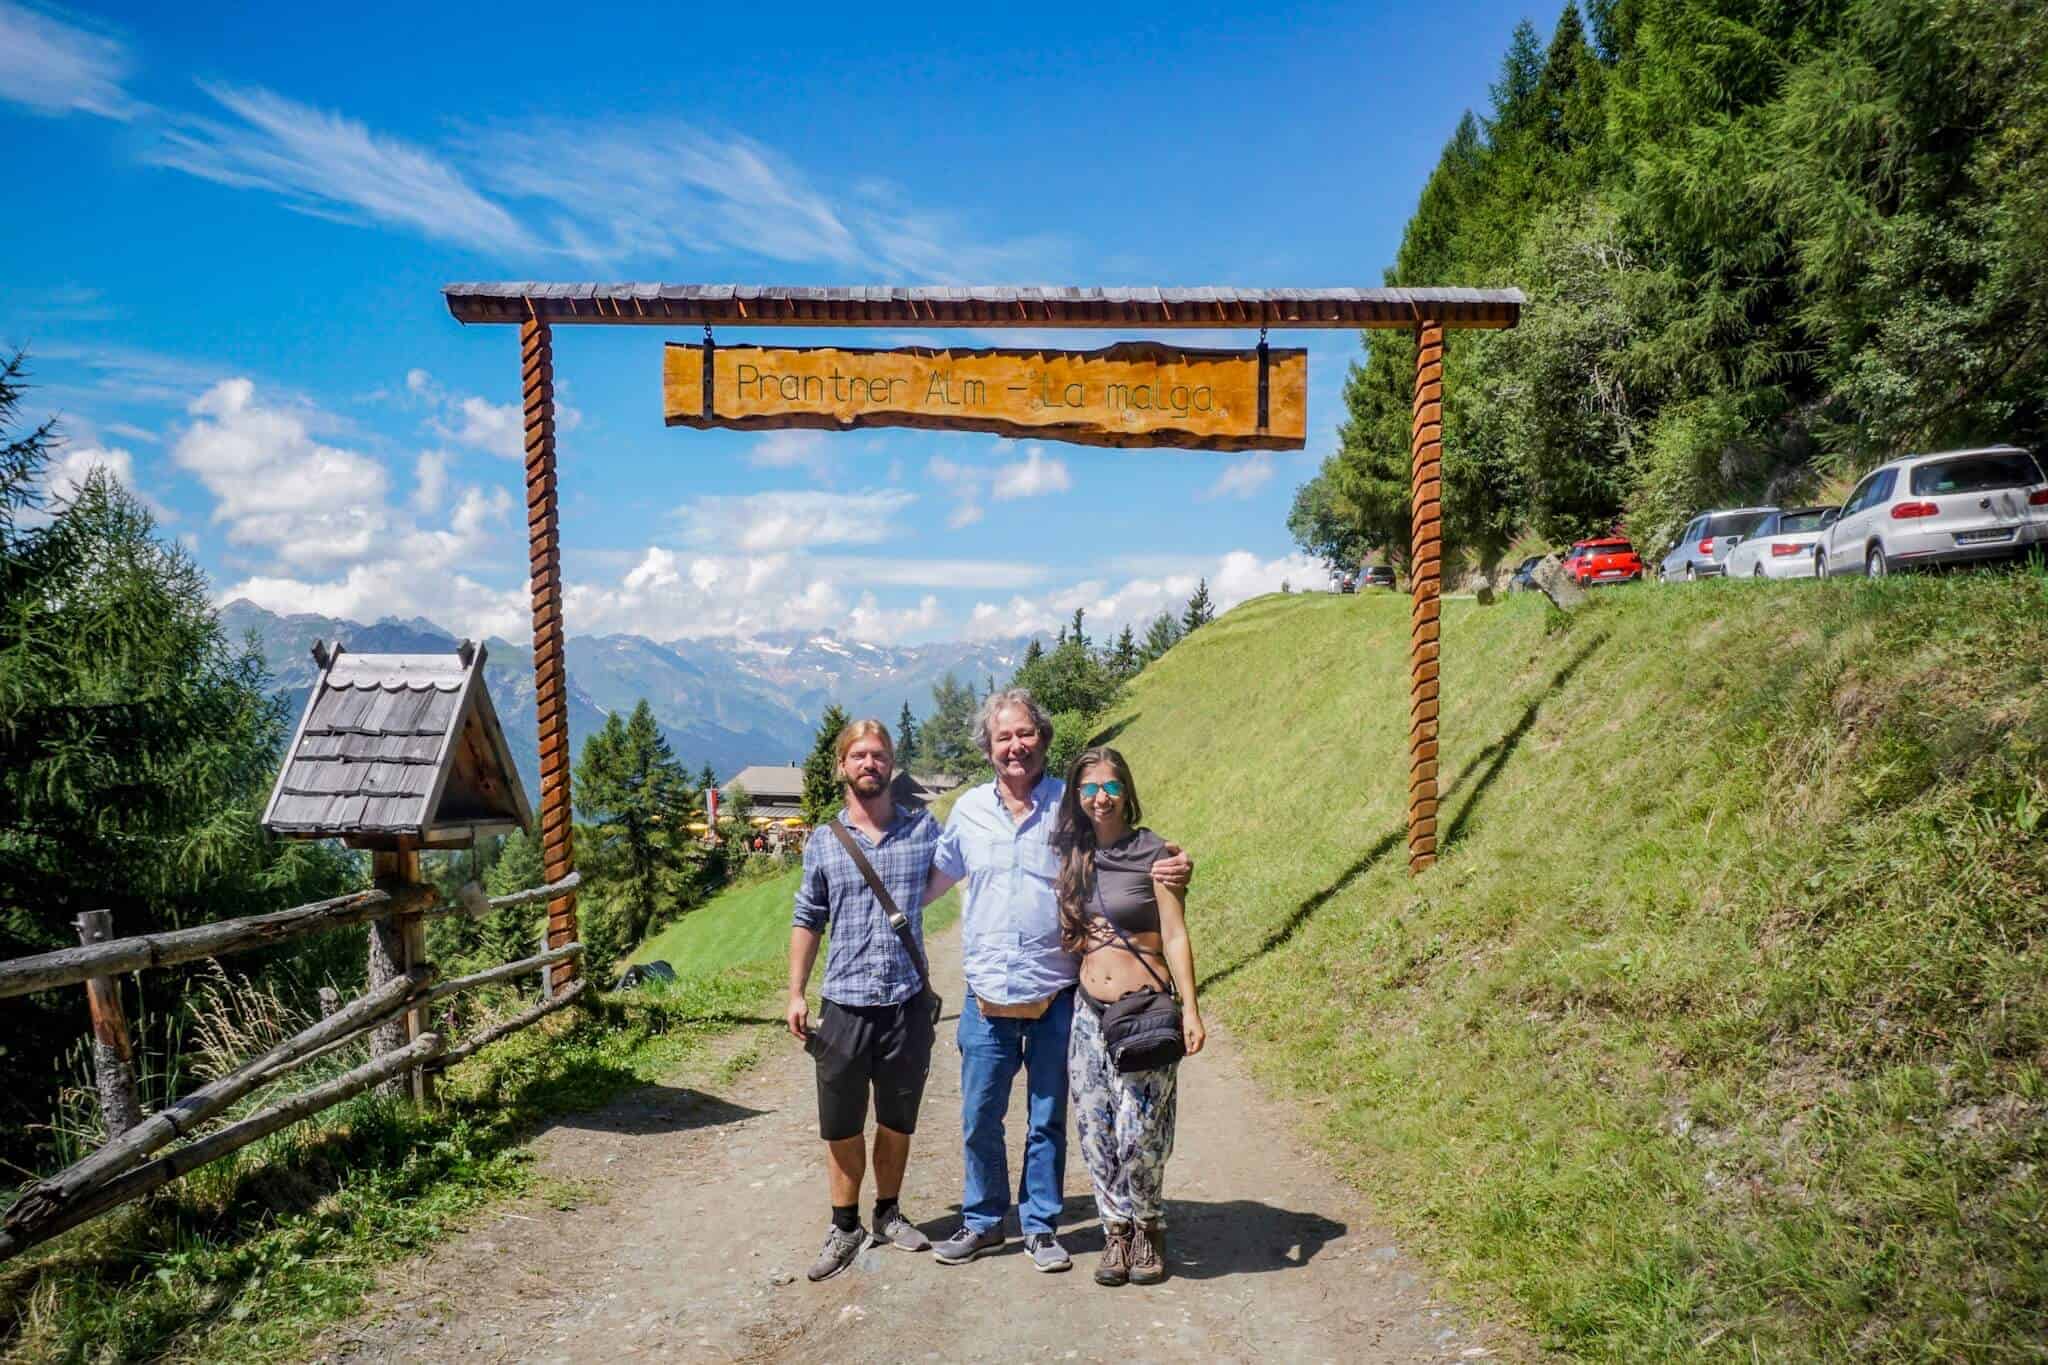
(537, 308)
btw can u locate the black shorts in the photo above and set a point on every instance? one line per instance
(884, 1047)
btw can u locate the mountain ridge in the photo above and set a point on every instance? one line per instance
(726, 702)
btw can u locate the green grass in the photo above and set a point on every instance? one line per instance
(1720, 1029)
(750, 924)
(250, 1257)
(743, 924)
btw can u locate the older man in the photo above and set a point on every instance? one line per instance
(1020, 980)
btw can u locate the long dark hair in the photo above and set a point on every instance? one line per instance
(1074, 837)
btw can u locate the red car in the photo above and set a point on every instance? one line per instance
(1607, 559)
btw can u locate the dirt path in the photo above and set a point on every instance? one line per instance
(695, 1214)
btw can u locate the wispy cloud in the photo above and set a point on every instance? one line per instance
(332, 166)
(1241, 478)
(765, 523)
(56, 67)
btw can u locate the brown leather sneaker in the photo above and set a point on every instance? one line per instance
(1148, 1253)
(1115, 1266)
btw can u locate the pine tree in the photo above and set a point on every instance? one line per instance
(635, 796)
(1075, 633)
(946, 740)
(1124, 660)
(1200, 610)
(823, 791)
(1163, 635)
(906, 738)
(1032, 654)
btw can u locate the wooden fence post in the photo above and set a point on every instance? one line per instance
(1425, 580)
(397, 945)
(113, 1053)
(550, 667)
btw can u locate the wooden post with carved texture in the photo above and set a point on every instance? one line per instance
(113, 1053)
(544, 579)
(1425, 581)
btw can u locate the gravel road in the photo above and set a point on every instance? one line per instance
(693, 1216)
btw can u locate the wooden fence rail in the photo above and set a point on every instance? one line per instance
(129, 1164)
(69, 966)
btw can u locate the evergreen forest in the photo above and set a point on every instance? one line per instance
(1766, 245)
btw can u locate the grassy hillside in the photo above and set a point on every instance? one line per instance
(749, 924)
(1719, 1031)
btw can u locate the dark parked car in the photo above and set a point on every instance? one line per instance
(1379, 576)
(1524, 577)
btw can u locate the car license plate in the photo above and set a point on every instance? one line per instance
(1613, 573)
(1984, 537)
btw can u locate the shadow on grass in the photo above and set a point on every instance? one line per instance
(1494, 756)
(1108, 735)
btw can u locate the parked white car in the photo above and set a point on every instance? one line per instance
(1782, 545)
(1957, 507)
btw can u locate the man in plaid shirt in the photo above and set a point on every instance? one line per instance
(874, 1032)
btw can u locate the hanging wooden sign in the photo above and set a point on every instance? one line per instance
(1136, 393)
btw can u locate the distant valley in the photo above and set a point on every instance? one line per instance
(719, 701)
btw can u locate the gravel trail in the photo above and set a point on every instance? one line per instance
(688, 1219)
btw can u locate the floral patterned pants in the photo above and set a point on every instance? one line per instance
(1124, 1121)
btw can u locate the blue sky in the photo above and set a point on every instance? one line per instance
(237, 219)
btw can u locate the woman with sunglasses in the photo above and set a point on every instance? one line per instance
(1131, 933)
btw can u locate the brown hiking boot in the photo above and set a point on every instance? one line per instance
(1115, 1267)
(1148, 1253)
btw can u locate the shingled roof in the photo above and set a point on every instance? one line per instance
(398, 748)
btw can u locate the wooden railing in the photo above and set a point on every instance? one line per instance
(132, 1162)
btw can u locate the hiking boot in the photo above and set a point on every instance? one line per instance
(893, 1229)
(966, 1244)
(1046, 1252)
(840, 1250)
(1148, 1253)
(1115, 1266)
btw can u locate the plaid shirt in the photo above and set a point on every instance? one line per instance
(866, 964)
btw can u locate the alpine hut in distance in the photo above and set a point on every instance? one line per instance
(398, 752)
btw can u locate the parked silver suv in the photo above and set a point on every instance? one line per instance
(1702, 548)
(1957, 507)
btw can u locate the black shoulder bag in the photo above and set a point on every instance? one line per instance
(898, 921)
(1142, 1029)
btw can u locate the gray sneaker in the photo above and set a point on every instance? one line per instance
(966, 1244)
(840, 1250)
(893, 1229)
(1046, 1252)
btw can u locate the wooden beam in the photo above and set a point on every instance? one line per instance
(550, 666)
(512, 1025)
(1425, 584)
(113, 1054)
(69, 966)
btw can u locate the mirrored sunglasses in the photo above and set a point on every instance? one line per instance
(1089, 789)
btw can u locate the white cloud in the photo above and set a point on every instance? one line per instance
(467, 419)
(1242, 477)
(1232, 578)
(763, 523)
(277, 487)
(430, 474)
(57, 68)
(1032, 477)
(66, 473)
(332, 166)
(367, 592)
(793, 448)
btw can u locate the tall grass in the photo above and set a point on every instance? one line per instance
(1720, 1029)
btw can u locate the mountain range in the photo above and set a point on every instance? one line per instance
(726, 702)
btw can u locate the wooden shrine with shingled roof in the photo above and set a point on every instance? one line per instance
(398, 751)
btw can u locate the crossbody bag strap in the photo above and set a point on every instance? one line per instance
(1137, 952)
(898, 921)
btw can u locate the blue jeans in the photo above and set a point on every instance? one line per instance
(991, 1050)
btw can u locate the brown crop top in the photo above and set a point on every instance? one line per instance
(1123, 882)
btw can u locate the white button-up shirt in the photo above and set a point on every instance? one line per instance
(1010, 914)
